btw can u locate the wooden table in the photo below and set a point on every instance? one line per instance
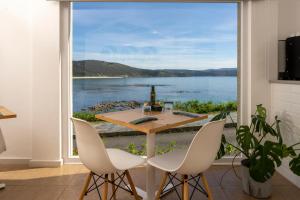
(5, 114)
(166, 120)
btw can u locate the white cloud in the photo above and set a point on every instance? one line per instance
(167, 52)
(135, 38)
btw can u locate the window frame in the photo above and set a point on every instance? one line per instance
(243, 69)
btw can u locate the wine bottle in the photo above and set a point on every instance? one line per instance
(152, 96)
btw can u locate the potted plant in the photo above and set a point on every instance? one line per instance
(263, 149)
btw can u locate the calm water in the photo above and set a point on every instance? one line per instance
(88, 92)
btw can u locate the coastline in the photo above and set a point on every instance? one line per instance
(97, 77)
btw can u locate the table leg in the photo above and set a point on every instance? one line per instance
(150, 177)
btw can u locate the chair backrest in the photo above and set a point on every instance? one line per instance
(203, 149)
(91, 149)
(2, 142)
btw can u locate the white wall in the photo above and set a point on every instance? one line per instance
(46, 84)
(16, 76)
(259, 53)
(288, 18)
(30, 80)
(262, 53)
(285, 101)
(285, 98)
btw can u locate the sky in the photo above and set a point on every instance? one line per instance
(157, 35)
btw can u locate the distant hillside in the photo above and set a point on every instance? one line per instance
(102, 68)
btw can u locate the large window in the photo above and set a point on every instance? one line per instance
(188, 51)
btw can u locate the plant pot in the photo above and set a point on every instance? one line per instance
(253, 188)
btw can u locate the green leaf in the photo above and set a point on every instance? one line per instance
(87, 116)
(263, 128)
(262, 111)
(264, 161)
(245, 139)
(221, 115)
(262, 169)
(222, 150)
(287, 151)
(262, 166)
(223, 146)
(275, 158)
(277, 123)
(274, 151)
(295, 165)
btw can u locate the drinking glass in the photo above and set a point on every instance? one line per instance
(168, 106)
(146, 108)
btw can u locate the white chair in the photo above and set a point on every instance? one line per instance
(190, 163)
(101, 162)
(2, 149)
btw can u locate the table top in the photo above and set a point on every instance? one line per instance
(166, 120)
(5, 113)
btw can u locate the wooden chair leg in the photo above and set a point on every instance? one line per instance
(206, 186)
(113, 186)
(162, 184)
(185, 188)
(136, 196)
(105, 188)
(86, 185)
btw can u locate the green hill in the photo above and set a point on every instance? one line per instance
(101, 68)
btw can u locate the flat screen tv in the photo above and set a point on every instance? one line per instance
(293, 58)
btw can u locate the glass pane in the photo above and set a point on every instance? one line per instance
(188, 51)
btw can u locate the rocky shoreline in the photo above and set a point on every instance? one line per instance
(114, 106)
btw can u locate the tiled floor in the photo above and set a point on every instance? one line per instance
(65, 183)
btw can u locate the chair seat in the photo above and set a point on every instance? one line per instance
(123, 160)
(169, 162)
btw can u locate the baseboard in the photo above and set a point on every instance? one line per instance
(45, 163)
(72, 160)
(14, 161)
(228, 161)
(30, 162)
(288, 174)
